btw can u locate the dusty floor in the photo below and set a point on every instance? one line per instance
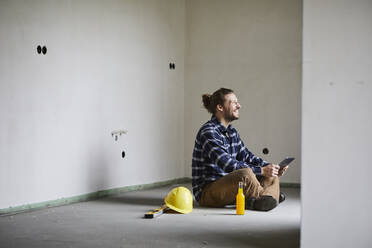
(118, 222)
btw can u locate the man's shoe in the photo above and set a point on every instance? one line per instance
(249, 203)
(281, 197)
(265, 203)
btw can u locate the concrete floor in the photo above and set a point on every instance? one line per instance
(118, 222)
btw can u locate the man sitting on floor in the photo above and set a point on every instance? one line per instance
(220, 161)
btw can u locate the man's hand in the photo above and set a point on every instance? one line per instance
(271, 170)
(282, 170)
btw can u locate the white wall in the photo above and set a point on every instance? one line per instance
(253, 47)
(337, 121)
(107, 68)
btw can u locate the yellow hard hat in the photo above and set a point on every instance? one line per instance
(180, 200)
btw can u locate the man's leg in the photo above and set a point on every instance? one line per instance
(269, 198)
(264, 193)
(271, 186)
(223, 191)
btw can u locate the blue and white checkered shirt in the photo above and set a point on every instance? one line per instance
(218, 151)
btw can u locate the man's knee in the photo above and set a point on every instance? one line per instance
(251, 186)
(245, 173)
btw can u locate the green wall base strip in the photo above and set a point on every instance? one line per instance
(89, 196)
(290, 185)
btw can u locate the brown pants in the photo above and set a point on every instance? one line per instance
(223, 191)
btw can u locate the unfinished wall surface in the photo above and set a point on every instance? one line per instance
(337, 121)
(106, 68)
(253, 47)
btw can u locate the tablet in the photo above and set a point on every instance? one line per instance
(286, 162)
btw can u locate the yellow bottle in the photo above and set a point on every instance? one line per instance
(240, 200)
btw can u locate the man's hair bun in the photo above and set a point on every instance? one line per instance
(207, 101)
(210, 102)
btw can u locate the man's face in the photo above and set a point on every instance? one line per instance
(231, 107)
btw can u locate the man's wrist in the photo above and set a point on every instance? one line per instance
(257, 170)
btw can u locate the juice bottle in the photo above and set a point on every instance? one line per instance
(240, 200)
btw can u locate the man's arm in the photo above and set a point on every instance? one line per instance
(265, 169)
(258, 165)
(212, 144)
(254, 162)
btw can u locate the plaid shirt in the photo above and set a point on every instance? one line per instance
(218, 151)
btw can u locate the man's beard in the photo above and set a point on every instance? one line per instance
(230, 117)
